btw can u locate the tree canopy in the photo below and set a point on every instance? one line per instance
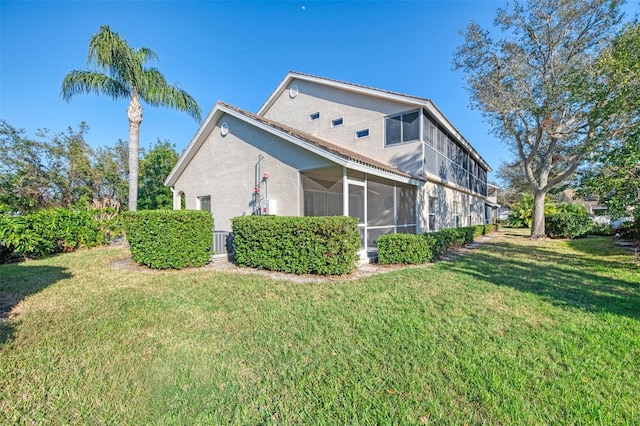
(614, 171)
(62, 170)
(543, 88)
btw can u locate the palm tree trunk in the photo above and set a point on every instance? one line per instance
(134, 111)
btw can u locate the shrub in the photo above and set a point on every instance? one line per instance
(629, 230)
(435, 244)
(604, 229)
(300, 245)
(49, 231)
(169, 239)
(404, 248)
(567, 225)
(455, 237)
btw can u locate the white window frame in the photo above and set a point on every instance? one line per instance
(312, 116)
(364, 136)
(333, 122)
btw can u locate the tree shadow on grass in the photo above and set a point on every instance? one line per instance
(18, 281)
(561, 278)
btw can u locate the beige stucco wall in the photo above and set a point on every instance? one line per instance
(471, 207)
(224, 168)
(358, 111)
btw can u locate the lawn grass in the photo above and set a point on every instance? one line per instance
(517, 332)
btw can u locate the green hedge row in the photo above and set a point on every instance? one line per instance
(422, 248)
(54, 231)
(567, 225)
(300, 245)
(169, 239)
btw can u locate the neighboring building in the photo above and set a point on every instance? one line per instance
(598, 212)
(321, 147)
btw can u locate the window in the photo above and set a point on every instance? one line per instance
(432, 213)
(204, 203)
(402, 128)
(456, 213)
(314, 116)
(362, 133)
(337, 122)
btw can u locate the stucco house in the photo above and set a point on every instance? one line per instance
(320, 147)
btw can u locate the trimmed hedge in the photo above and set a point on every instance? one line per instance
(567, 225)
(300, 245)
(404, 248)
(423, 248)
(169, 239)
(51, 231)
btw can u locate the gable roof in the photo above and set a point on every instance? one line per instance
(410, 100)
(321, 147)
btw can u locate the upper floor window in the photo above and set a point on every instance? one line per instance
(402, 128)
(314, 116)
(362, 133)
(337, 122)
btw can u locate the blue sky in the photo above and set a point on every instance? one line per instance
(236, 52)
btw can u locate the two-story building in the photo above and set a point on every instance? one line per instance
(321, 147)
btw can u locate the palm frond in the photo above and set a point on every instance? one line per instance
(157, 92)
(79, 82)
(145, 54)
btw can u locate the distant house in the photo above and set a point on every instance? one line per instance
(598, 212)
(321, 147)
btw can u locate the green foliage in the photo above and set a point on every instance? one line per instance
(567, 225)
(571, 208)
(300, 245)
(601, 229)
(57, 171)
(155, 166)
(629, 230)
(52, 231)
(436, 244)
(404, 249)
(169, 239)
(522, 211)
(412, 249)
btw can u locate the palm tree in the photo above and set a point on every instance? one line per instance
(120, 73)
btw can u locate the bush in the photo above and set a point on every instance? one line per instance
(404, 249)
(300, 245)
(567, 225)
(49, 231)
(604, 229)
(169, 239)
(435, 244)
(629, 230)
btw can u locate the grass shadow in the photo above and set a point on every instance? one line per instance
(595, 283)
(18, 281)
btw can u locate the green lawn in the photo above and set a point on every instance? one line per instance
(517, 332)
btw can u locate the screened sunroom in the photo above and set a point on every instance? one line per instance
(382, 206)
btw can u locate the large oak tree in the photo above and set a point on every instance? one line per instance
(121, 73)
(541, 86)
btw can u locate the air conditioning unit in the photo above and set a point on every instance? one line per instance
(268, 207)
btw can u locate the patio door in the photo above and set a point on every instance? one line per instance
(357, 204)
